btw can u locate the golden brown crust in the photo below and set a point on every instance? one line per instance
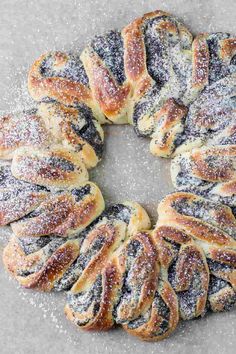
(62, 214)
(200, 62)
(16, 262)
(111, 97)
(151, 330)
(21, 130)
(199, 229)
(58, 167)
(60, 89)
(227, 48)
(171, 116)
(224, 171)
(210, 168)
(53, 269)
(156, 13)
(17, 207)
(134, 56)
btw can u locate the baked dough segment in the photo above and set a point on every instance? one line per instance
(209, 227)
(90, 299)
(211, 117)
(161, 319)
(93, 296)
(55, 168)
(62, 214)
(17, 197)
(93, 231)
(53, 124)
(208, 171)
(61, 77)
(21, 129)
(137, 263)
(111, 96)
(34, 210)
(186, 266)
(147, 307)
(34, 255)
(42, 268)
(154, 75)
(75, 128)
(154, 81)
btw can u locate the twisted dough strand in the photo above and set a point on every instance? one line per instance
(182, 268)
(29, 258)
(53, 124)
(143, 280)
(207, 171)
(148, 75)
(51, 148)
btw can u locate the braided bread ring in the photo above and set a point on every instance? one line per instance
(180, 92)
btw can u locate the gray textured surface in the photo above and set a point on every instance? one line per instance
(32, 322)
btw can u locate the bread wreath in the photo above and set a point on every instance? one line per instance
(177, 90)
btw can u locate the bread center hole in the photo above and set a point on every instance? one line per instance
(128, 171)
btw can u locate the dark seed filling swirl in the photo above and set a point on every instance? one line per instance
(143, 107)
(187, 182)
(217, 69)
(80, 193)
(72, 70)
(159, 50)
(114, 212)
(187, 299)
(128, 291)
(49, 246)
(76, 269)
(83, 301)
(110, 48)
(59, 163)
(163, 312)
(202, 209)
(216, 285)
(87, 130)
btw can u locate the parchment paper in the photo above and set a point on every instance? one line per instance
(33, 322)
